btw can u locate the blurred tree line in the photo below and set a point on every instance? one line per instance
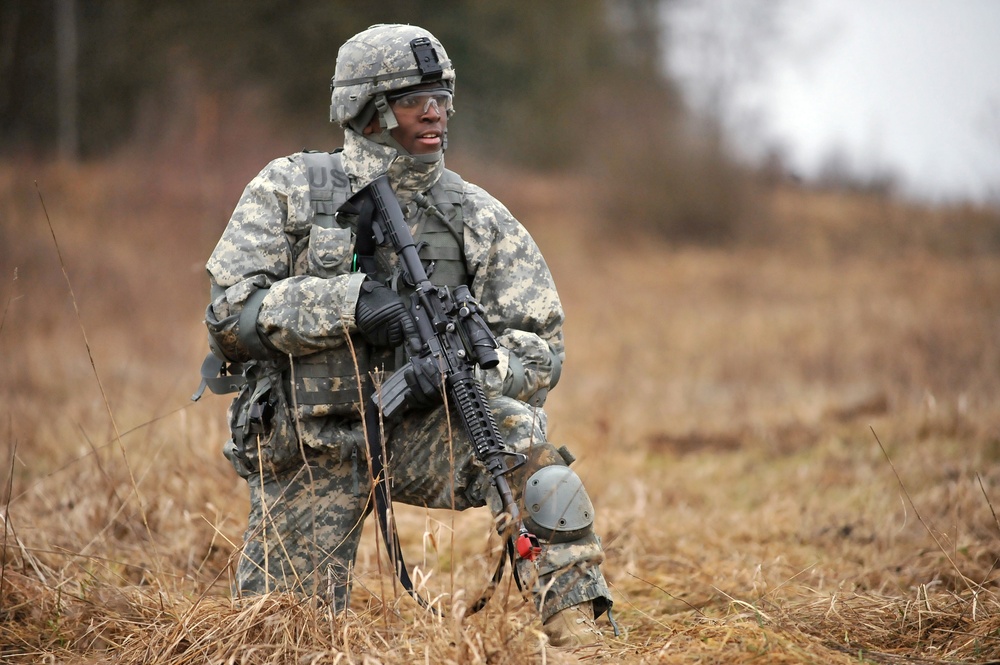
(562, 84)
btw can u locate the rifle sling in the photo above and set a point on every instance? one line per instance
(383, 510)
(387, 525)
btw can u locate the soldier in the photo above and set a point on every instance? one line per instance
(289, 305)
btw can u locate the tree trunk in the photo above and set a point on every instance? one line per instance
(66, 79)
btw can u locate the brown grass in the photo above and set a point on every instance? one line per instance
(724, 406)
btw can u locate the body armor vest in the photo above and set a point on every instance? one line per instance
(327, 383)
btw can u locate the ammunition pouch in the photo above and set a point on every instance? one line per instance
(327, 383)
(262, 425)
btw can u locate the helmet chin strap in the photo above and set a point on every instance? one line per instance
(385, 139)
(387, 122)
(429, 157)
(386, 118)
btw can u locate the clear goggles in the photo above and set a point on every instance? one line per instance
(420, 101)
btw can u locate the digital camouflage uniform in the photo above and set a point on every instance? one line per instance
(283, 300)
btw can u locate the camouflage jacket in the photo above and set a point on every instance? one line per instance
(295, 279)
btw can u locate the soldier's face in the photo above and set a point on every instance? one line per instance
(422, 115)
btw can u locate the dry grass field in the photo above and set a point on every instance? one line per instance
(793, 445)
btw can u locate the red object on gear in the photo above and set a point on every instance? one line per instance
(528, 547)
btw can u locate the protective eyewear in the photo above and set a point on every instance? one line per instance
(421, 100)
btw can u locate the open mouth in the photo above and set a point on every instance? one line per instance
(429, 140)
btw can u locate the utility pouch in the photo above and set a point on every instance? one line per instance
(262, 427)
(326, 383)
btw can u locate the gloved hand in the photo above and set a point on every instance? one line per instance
(425, 381)
(381, 316)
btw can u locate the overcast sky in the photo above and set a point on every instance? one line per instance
(907, 86)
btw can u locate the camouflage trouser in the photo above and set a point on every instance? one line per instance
(305, 521)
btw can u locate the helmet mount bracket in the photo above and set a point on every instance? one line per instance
(427, 59)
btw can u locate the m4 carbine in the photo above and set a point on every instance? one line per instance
(451, 339)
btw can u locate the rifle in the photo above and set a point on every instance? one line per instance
(452, 337)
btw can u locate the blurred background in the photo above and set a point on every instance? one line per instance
(682, 107)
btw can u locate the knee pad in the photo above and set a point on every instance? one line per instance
(556, 505)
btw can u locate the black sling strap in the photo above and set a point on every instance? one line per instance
(387, 524)
(383, 509)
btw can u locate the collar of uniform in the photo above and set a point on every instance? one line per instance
(366, 160)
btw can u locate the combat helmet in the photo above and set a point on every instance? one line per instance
(381, 59)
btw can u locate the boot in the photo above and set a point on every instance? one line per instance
(573, 627)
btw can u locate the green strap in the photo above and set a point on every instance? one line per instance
(515, 371)
(556, 371)
(219, 377)
(247, 332)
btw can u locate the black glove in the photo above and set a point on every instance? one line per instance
(381, 315)
(425, 381)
